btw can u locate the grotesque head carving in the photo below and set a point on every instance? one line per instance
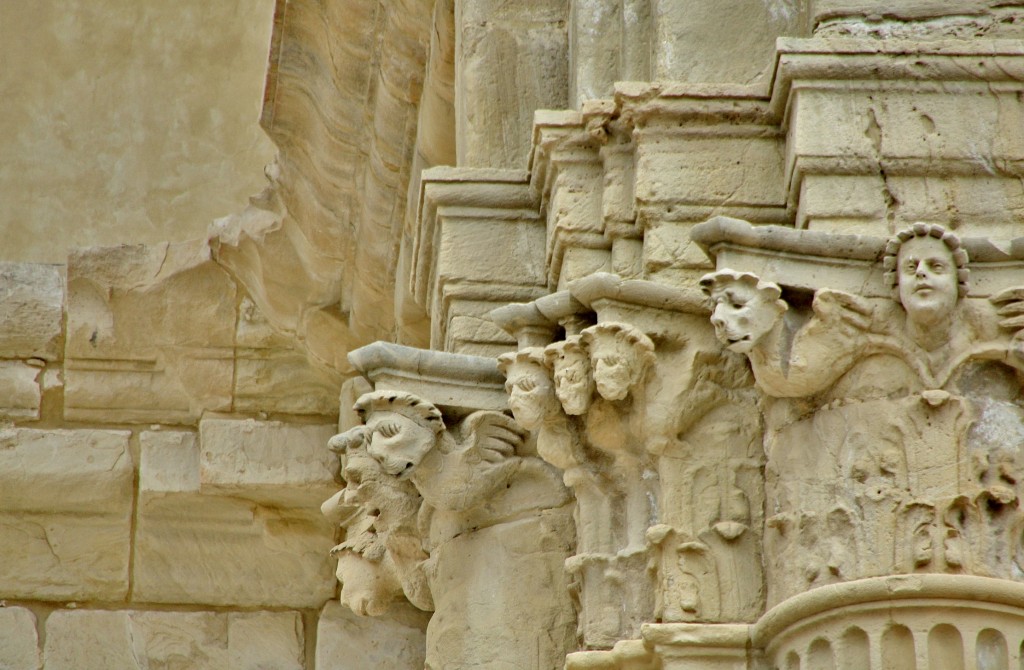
(368, 585)
(400, 429)
(926, 269)
(531, 394)
(620, 356)
(570, 365)
(744, 308)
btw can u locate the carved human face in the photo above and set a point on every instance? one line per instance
(531, 395)
(613, 361)
(927, 279)
(574, 385)
(367, 587)
(398, 443)
(742, 316)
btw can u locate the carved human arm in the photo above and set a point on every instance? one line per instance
(819, 352)
(1009, 305)
(460, 475)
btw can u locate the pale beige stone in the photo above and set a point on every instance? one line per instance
(510, 60)
(228, 518)
(698, 42)
(66, 507)
(964, 620)
(822, 474)
(31, 305)
(345, 641)
(170, 144)
(202, 640)
(19, 389)
(200, 549)
(150, 334)
(169, 462)
(19, 640)
(463, 216)
(272, 376)
(423, 509)
(268, 461)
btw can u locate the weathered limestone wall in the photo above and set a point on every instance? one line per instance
(157, 505)
(691, 386)
(127, 122)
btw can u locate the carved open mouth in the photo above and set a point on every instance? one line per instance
(737, 340)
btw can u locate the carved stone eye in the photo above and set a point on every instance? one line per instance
(526, 384)
(389, 429)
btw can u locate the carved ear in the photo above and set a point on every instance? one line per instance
(493, 432)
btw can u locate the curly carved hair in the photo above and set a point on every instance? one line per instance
(400, 402)
(624, 333)
(715, 282)
(919, 229)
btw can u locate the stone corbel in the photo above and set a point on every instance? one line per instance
(704, 486)
(432, 437)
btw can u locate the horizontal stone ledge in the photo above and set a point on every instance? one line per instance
(808, 259)
(455, 381)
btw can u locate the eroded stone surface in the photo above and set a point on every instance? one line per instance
(87, 639)
(227, 517)
(150, 334)
(345, 641)
(427, 510)
(19, 389)
(66, 505)
(173, 142)
(266, 460)
(31, 305)
(19, 641)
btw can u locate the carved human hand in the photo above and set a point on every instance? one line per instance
(1009, 306)
(464, 473)
(494, 436)
(833, 306)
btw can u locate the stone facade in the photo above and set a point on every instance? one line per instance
(585, 334)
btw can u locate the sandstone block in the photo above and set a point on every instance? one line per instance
(100, 640)
(284, 464)
(169, 462)
(19, 641)
(271, 376)
(345, 641)
(65, 509)
(207, 549)
(31, 310)
(721, 172)
(19, 390)
(231, 518)
(504, 48)
(696, 42)
(150, 334)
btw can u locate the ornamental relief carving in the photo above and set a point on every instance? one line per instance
(701, 457)
(893, 426)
